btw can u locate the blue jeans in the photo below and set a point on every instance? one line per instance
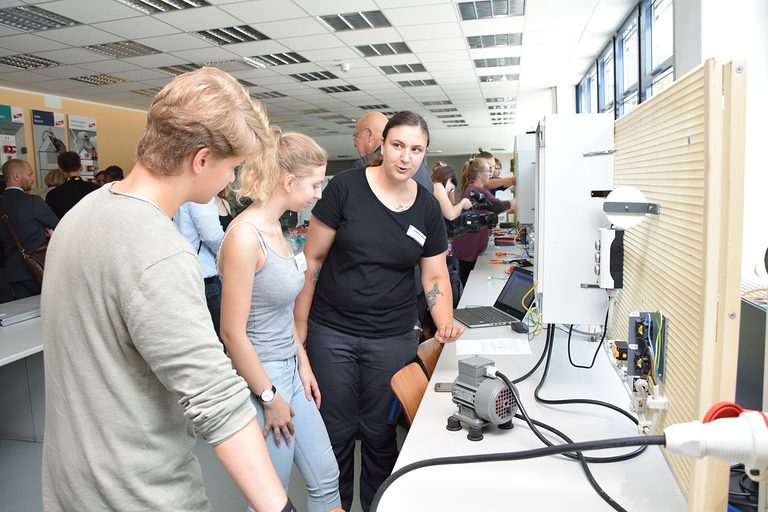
(310, 448)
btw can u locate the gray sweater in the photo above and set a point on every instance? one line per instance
(133, 367)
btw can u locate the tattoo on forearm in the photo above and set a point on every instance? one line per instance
(432, 296)
(315, 277)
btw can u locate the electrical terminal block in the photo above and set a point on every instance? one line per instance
(644, 427)
(620, 350)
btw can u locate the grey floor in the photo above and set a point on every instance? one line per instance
(20, 487)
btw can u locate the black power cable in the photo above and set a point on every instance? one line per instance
(580, 456)
(600, 444)
(599, 345)
(615, 458)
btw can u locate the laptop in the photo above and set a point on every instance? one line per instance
(508, 307)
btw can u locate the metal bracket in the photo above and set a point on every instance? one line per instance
(586, 285)
(626, 207)
(599, 153)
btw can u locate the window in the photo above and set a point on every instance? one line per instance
(636, 64)
(606, 75)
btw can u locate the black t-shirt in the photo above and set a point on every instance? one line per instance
(64, 197)
(366, 285)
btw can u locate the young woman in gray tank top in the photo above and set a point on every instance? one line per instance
(261, 278)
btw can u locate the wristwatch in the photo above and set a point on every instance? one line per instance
(268, 395)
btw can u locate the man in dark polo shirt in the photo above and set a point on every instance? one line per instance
(62, 198)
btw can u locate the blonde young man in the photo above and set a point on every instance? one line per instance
(136, 369)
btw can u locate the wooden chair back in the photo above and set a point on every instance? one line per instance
(428, 353)
(409, 385)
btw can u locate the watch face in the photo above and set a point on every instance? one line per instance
(267, 395)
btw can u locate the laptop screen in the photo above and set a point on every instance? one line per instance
(511, 297)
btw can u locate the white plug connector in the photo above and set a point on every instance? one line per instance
(740, 439)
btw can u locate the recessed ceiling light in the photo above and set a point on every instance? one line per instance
(436, 102)
(448, 109)
(501, 99)
(314, 111)
(355, 21)
(375, 50)
(402, 68)
(313, 76)
(29, 18)
(499, 78)
(28, 62)
(100, 79)
(231, 35)
(487, 9)
(267, 95)
(497, 62)
(122, 49)
(416, 83)
(179, 69)
(276, 59)
(502, 107)
(495, 40)
(147, 92)
(339, 88)
(373, 107)
(448, 116)
(157, 6)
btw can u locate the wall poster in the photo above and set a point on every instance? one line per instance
(82, 140)
(12, 141)
(49, 134)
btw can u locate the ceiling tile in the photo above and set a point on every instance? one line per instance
(156, 61)
(142, 74)
(137, 28)
(308, 42)
(436, 45)
(109, 66)
(406, 3)
(71, 55)
(174, 42)
(254, 48)
(91, 11)
(21, 77)
(289, 28)
(323, 7)
(265, 10)
(8, 31)
(211, 54)
(370, 36)
(202, 18)
(405, 16)
(64, 72)
(335, 54)
(513, 25)
(28, 43)
(430, 31)
(81, 36)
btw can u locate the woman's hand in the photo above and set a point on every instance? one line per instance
(277, 418)
(311, 389)
(466, 204)
(448, 333)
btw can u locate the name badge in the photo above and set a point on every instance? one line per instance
(417, 235)
(301, 262)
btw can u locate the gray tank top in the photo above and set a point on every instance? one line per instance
(275, 287)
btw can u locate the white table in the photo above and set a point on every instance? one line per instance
(548, 484)
(22, 390)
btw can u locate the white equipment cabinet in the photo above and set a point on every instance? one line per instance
(574, 155)
(525, 174)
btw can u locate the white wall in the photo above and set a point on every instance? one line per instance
(735, 31)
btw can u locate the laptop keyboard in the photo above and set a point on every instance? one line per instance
(490, 315)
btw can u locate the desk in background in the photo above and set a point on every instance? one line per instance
(22, 389)
(550, 483)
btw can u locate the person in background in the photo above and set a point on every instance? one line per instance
(261, 278)
(100, 178)
(444, 182)
(496, 183)
(357, 311)
(135, 371)
(222, 206)
(114, 173)
(64, 197)
(468, 246)
(199, 224)
(52, 179)
(31, 219)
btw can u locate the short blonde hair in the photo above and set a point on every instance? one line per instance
(206, 108)
(54, 178)
(296, 154)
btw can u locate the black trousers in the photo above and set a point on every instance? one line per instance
(354, 376)
(465, 267)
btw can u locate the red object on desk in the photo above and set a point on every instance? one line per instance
(504, 240)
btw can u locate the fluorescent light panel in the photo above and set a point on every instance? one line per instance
(436, 102)
(488, 9)
(267, 95)
(375, 50)
(179, 69)
(231, 35)
(416, 83)
(373, 107)
(438, 110)
(501, 99)
(495, 40)
(355, 21)
(277, 59)
(147, 92)
(497, 62)
(100, 79)
(313, 76)
(402, 68)
(122, 49)
(158, 6)
(25, 61)
(499, 78)
(339, 88)
(33, 19)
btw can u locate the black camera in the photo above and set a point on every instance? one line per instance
(482, 213)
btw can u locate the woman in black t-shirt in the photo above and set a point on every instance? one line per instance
(357, 312)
